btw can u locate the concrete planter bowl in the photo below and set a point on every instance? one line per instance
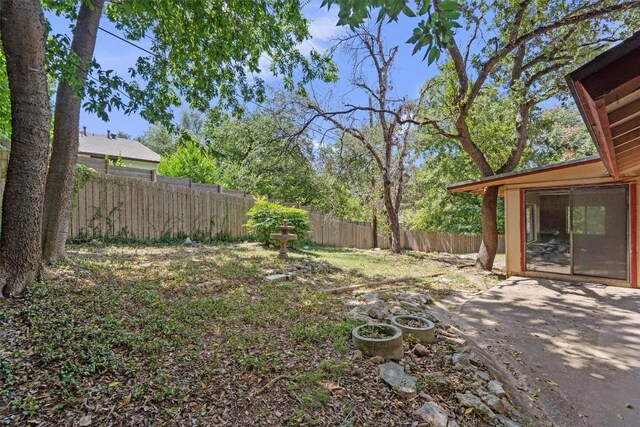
(379, 339)
(426, 333)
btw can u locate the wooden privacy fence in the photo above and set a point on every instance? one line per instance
(139, 209)
(164, 208)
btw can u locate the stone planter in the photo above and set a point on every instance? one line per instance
(388, 346)
(426, 334)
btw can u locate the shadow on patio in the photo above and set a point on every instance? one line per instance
(578, 346)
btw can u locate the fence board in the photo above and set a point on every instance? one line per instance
(143, 209)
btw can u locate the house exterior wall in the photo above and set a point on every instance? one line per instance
(513, 194)
(130, 163)
(139, 164)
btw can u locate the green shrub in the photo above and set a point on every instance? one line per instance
(266, 217)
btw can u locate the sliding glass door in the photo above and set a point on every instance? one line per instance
(549, 245)
(600, 232)
(581, 231)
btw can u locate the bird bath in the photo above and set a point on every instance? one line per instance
(284, 236)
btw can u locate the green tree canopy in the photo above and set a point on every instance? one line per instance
(263, 154)
(194, 51)
(190, 160)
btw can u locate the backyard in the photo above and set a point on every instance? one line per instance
(195, 335)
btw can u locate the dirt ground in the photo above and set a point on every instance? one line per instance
(194, 336)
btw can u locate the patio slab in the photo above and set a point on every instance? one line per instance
(573, 348)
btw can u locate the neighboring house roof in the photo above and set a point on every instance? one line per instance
(607, 91)
(101, 145)
(478, 185)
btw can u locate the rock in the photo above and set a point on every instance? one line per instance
(425, 396)
(357, 355)
(403, 384)
(187, 242)
(483, 375)
(461, 361)
(433, 414)
(377, 310)
(410, 305)
(453, 423)
(470, 400)
(454, 341)
(357, 314)
(430, 316)
(475, 359)
(353, 303)
(496, 388)
(492, 401)
(84, 421)
(507, 422)
(370, 297)
(477, 385)
(424, 299)
(376, 360)
(276, 278)
(438, 379)
(397, 310)
(421, 350)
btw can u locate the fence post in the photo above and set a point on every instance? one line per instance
(106, 166)
(154, 175)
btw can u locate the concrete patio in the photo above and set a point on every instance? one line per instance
(573, 348)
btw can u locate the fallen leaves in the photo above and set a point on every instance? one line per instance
(154, 335)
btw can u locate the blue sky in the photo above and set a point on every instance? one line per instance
(409, 74)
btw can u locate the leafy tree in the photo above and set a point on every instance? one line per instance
(525, 48)
(62, 168)
(335, 197)
(555, 134)
(264, 154)
(432, 208)
(159, 139)
(559, 134)
(192, 121)
(385, 135)
(121, 134)
(22, 29)
(190, 160)
(200, 51)
(436, 24)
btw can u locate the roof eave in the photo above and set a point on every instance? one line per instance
(477, 186)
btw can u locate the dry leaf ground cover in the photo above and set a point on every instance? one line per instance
(194, 336)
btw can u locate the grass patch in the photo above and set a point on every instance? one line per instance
(164, 334)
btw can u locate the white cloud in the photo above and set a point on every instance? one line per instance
(322, 29)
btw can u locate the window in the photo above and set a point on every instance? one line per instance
(589, 220)
(580, 230)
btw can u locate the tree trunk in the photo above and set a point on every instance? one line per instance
(23, 32)
(374, 228)
(64, 157)
(489, 245)
(396, 244)
(393, 218)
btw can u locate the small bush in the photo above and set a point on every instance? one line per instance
(266, 217)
